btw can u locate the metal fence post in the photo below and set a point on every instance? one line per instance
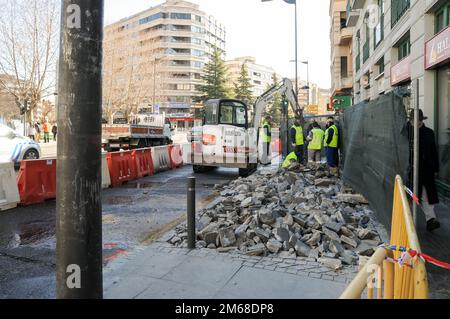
(191, 212)
(79, 213)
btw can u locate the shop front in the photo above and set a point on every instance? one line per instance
(401, 79)
(437, 59)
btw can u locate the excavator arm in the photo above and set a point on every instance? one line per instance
(285, 89)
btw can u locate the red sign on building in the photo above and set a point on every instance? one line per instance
(437, 50)
(401, 72)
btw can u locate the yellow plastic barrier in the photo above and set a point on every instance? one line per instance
(389, 279)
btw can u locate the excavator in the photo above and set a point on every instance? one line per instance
(226, 138)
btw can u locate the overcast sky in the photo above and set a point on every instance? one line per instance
(263, 30)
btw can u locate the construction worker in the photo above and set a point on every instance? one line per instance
(315, 139)
(46, 129)
(291, 158)
(331, 144)
(297, 139)
(266, 140)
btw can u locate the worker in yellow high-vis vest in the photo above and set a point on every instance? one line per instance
(266, 138)
(297, 140)
(315, 139)
(332, 144)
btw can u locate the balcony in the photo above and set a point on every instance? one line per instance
(353, 7)
(345, 36)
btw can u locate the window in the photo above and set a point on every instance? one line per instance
(233, 113)
(198, 19)
(226, 114)
(151, 18)
(358, 51)
(380, 65)
(442, 19)
(366, 47)
(344, 67)
(181, 16)
(211, 113)
(398, 9)
(379, 29)
(404, 48)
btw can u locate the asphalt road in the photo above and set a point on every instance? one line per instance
(133, 214)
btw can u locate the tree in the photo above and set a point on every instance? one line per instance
(29, 34)
(243, 87)
(274, 109)
(214, 78)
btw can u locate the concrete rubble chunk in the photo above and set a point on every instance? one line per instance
(281, 234)
(256, 250)
(274, 246)
(266, 216)
(349, 241)
(211, 237)
(336, 227)
(227, 237)
(324, 182)
(302, 249)
(334, 264)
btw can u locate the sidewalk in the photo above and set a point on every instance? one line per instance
(160, 271)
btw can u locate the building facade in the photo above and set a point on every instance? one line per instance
(261, 76)
(397, 44)
(341, 35)
(8, 105)
(155, 59)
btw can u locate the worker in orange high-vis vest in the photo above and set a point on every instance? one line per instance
(46, 129)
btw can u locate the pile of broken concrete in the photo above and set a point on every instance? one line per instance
(298, 212)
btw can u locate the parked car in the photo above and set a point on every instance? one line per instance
(15, 147)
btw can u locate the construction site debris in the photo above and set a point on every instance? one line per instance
(300, 211)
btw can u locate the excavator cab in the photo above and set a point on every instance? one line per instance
(226, 112)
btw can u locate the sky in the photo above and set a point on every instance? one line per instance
(264, 30)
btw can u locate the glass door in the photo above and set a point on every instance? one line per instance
(443, 134)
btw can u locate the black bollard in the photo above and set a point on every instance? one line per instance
(191, 212)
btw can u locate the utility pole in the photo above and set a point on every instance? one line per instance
(78, 205)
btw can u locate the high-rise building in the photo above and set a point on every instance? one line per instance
(155, 59)
(341, 37)
(261, 76)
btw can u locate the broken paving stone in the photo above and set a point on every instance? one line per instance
(210, 238)
(365, 233)
(288, 220)
(331, 234)
(336, 227)
(352, 199)
(314, 240)
(266, 216)
(324, 182)
(241, 231)
(262, 234)
(320, 218)
(349, 241)
(281, 234)
(227, 237)
(349, 258)
(336, 248)
(247, 202)
(256, 250)
(331, 263)
(302, 249)
(274, 246)
(299, 221)
(365, 249)
(175, 240)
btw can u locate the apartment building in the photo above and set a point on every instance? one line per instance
(8, 106)
(341, 35)
(261, 76)
(156, 58)
(396, 43)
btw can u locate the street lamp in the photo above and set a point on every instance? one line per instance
(294, 2)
